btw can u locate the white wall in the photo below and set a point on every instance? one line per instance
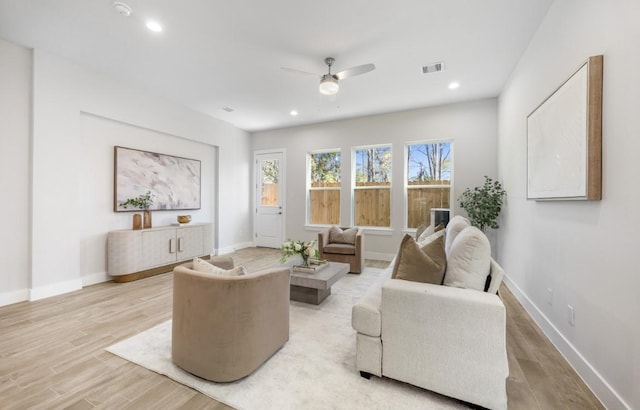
(15, 102)
(472, 126)
(584, 251)
(98, 137)
(72, 107)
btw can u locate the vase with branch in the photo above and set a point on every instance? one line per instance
(142, 202)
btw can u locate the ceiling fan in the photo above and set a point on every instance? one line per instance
(329, 82)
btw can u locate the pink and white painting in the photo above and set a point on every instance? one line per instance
(173, 181)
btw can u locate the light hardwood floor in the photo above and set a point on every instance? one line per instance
(52, 351)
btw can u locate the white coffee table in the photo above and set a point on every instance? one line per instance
(315, 287)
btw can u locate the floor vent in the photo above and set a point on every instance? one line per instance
(228, 109)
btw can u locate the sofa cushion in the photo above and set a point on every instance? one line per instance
(424, 229)
(348, 236)
(420, 264)
(340, 248)
(469, 260)
(200, 265)
(426, 240)
(454, 227)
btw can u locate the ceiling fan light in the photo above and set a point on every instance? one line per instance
(328, 85)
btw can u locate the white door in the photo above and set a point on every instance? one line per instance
(269, 199)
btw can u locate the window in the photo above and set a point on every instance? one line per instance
(372, 189)
(428, 182)
(323, 175)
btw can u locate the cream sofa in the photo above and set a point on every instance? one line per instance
(446, 339)
(225, 327)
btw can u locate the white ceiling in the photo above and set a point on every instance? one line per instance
(213, 53)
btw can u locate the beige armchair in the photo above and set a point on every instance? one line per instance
(353, 254)
(225, 327)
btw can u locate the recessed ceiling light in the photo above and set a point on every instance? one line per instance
(154, 26)
(293, 113)
(454, 85)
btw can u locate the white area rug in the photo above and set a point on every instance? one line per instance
(314, 370)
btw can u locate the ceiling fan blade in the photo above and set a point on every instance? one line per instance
(357, 70)
(293, 70)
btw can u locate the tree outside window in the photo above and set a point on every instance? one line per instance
(323, 175)
(372, 190)
(429, 172)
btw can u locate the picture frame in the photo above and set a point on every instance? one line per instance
(564, 139)
(174, 182)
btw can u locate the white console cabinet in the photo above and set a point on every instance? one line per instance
(137, 254)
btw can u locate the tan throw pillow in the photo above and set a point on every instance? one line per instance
(469, 260)
(337, 235)
(200, 265)
(426, 264)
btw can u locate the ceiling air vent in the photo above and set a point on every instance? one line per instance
(228, 109)
(433, 68)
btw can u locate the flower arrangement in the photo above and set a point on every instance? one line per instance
(143, 201)
(292, 247)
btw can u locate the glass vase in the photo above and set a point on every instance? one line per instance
(305, 260)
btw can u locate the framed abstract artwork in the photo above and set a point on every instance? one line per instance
(173, 181)
(564, 139)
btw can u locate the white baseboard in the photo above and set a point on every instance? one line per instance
(15, 296)
(229, 249)
(379, 256)
(55, 289)
(598, 385)
(88, 280)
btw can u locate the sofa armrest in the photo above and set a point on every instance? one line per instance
(449, 340)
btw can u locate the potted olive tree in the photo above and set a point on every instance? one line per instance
(483, 204)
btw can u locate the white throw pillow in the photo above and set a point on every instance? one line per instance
(200, 265)
(469, 260)
(454, 227)
(425, 240)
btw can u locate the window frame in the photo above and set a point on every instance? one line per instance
(354, 187)
(309, 188)
(405, 182)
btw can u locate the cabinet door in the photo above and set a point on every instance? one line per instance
(158, 247)
(189, 242)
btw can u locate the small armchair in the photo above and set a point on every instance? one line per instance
(225, 327)
(353, 254)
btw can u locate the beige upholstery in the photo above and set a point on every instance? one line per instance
(225, 327)
(340, 252)
(446, 339)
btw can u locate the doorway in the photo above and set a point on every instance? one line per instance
(269, 198)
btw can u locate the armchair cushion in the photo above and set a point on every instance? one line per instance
(420, 264)
(340, 248)
(347, 236)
